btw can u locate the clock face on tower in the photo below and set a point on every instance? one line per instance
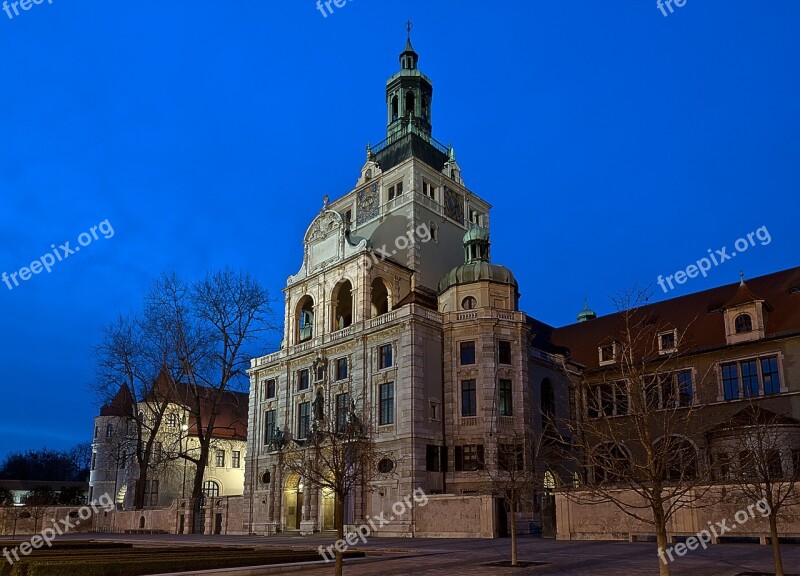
(453, 205)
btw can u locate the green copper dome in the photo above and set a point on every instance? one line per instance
(586, 314)
(476, 233)
(476, 267)
(477, 271)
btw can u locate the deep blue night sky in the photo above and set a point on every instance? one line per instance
(614, 143)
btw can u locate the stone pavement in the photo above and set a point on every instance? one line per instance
(462, 557)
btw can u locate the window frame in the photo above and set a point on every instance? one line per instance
(504, 352)
(303, 377)
(386, 404)
(382, 356)
(505, 399)
(467, 353)
(469, 398)
(303, 419)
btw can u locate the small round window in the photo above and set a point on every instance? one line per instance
(469, 303)
(385, 466)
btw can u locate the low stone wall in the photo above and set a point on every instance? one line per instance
(221, 515)
(24, 520)
(448, 516)
(582, 520)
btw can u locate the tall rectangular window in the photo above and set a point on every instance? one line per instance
(269, 426)
(220, 458)
(730, 381)
(341, 369)
(302, 379)
(387, 404)
(342, 408)
(236, 459)
(769, 374)
(385, 359)
(427, 189)
(303, 419)
(467, 353)
(506, 402)
(269, 391)
(504, 352)
(749, 378)
(468, 398)
(685, 388)
(469, 457)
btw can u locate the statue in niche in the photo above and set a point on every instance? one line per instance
(318, 407)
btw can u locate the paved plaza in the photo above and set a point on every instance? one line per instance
(395, 557)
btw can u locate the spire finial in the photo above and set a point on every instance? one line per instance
(409, 27)
(741, 276)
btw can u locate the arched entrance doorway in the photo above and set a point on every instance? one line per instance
(293, 502)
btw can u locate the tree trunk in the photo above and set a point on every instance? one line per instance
(138, 490)
(513, 517)
(660, 525)
(200, 472)
(338, 519)
(776, 544)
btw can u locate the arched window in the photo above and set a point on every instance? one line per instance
(743, 323)
(210, 489)
(611, 463)
(109, 430)
(342, 299)
(305, 319)
(410, 101)
(425, 108)
(677, 458)
(380, 297)
(395, 108)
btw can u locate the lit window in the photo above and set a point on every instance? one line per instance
(210, 489)
(172, 420)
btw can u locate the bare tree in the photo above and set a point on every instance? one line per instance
(514, 478)
(339, 455)
(759, 462)
(632, 420)
(138, 367)
(214, 321)
(37, 502)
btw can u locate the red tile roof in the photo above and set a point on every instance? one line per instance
(699, 314)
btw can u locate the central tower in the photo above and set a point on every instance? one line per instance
(408, 96)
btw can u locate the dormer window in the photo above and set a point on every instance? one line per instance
(608, 354)
(667, 342)
(743, 323)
